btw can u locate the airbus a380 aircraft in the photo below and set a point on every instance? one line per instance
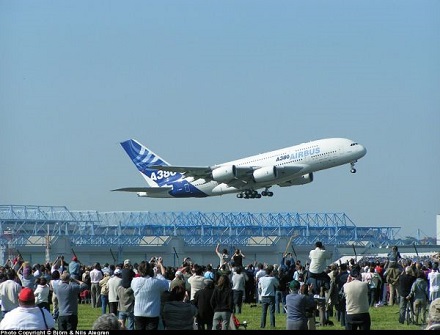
(284, 167)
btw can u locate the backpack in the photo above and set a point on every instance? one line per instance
(374, 281)
(341, 296)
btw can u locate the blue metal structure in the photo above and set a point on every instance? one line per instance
(26, 225)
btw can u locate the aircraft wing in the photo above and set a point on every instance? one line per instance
(244, 174)
(148, 190)
(205, 172)
(188, 171)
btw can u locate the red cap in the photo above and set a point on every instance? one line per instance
(74, 259)
(26, 294)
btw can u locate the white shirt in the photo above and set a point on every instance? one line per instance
(113, 283)
(9, 291)
(41, 294)
(318, 258)
(29, 318)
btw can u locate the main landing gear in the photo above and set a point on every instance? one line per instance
(252, 194)
(353, 170)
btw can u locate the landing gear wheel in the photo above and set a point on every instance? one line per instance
(353, 170)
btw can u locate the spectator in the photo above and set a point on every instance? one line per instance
(332, 293)
(404, 289)
(209, 274)
(178, 279)
(67, 292)
(128, 273)
(285, 277)
(310, 306)
(317, 276)
(27, 316)
(357, 307)
(52, 283)
(239, 279)
(419, 295)
(223, 256)
(267, 286)
(237, 258)
(393, 258)
(9, 290)
(107, 322)
(96, 276)
(341, 279)
(221, 303)
(260, 272)
(223, 270)
(60, 265)
(202, 300)
(103, 285)
(106, 269)
(434, 282)
(196, 281)
(113, 283)
(434, 315)
(177, 314)
(148, 289)
(126, 299)
(296, 304)
(250, 284)
(25, 275)
(75, 268)
(42, 294)
(375, 284)
(392, 278)
(279, 299)
(85, 276)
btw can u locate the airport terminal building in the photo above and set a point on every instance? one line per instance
(42, 233)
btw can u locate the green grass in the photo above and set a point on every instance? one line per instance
(382, 318)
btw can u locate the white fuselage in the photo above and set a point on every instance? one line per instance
(311, 156)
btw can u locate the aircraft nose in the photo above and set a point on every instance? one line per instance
(362, 150)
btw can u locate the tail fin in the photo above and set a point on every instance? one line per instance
(144, 158)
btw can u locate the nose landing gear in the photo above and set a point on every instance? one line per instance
(353, 170)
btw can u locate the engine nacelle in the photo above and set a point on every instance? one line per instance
(305, 179)
(267, 173)
(225, 173)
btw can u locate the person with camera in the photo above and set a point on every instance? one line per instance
(147, 290)
(67, 292)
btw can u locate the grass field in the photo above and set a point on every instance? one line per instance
(382, 318)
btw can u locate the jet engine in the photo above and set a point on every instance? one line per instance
(266, 173)
(224, 173)
(304, 179)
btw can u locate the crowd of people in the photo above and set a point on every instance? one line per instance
(150, 295)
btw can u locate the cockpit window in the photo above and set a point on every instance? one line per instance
(354, 144)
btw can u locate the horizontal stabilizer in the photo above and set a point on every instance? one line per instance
(151, 190)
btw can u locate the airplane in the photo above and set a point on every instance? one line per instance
(294, 165)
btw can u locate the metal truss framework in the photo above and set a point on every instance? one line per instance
(26, 225)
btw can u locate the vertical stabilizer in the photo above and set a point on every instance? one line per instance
(144, 158)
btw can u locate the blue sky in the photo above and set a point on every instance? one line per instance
(203, 82)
